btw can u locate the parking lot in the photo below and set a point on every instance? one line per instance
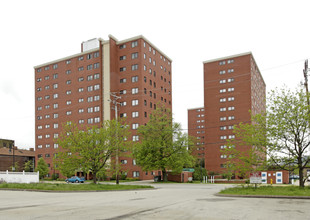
(166, 201)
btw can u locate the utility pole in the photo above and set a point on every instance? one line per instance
(114, 101)
(306, 81)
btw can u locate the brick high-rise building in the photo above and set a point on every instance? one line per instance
(233, 86)
(78, 88)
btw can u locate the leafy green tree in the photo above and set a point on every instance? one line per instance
(163, 146)
(28, 166)
(283, 132)
(288, 129)
(242, 159)
(90, 149)
(200, 171)
(42, 167)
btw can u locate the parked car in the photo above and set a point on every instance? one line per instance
(75, 179)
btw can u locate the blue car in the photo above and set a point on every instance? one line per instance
(75, 179)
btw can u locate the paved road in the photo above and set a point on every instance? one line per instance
(167, 201)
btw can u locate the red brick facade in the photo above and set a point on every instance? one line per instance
(72, 89)
(232, 87)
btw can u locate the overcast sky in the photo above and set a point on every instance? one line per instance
(189, 32)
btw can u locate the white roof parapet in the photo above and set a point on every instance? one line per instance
(196, 108)
(141, 36)
(228, 57)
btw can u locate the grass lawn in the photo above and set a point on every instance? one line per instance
(70, 187)
(268, 190)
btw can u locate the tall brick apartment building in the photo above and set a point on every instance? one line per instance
(78, 88)
(233, 86)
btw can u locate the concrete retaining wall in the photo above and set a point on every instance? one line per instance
(19, 177)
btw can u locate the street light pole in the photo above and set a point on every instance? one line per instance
(114, 101)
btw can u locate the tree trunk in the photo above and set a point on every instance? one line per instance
(95, 177)
(301, 177)
(165, 176)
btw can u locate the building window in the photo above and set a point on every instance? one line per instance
(123, 161)
(68, 61)
(222, 118)
(81, 100)
(81, 58)
(135, 114)
(90, 109)
(96, 87)
(222, 90)
(90, 88)
(122, 57)
(55, 66)
(230, 80)
(222, 63)
(231, 117)
(231, 99)
(230, 127)
(96, 76)
(223, 100)
(223, 128)
(222, 72)
(39, 70)
(134, 55)
(134, 91)
(90, 121)
(96, 98)
(135, 102)
(122, 69)
(81, 68)
(230, 61)
(89, 99)
(135, 126)
(55, 146)
(231, 136)
(55, 105)
(81, 79)
(223, 81)
(122, 46)
(81, 89)
(222, 109)
(55, 96)
(231, 89)
(134, 79)
(230, 70)
(134, 44)
(68, 92)
(135, 174)
(223, 137)
(89, 56)
(123, 115)
(68, 82)
(97, 119)
(56, 115)
(135, 138)
(68, 113)
(134, 67)
(89, 77)
(231, 108)
(123, 103)
(40, 146)
(223, 156)
(122, 80)
(96, 109)
(96, 65)
(81, 110)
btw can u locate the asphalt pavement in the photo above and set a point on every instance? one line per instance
(166, 201)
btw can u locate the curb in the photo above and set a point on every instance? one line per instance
(263, 196)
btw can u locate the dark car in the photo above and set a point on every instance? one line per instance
(75, 179)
